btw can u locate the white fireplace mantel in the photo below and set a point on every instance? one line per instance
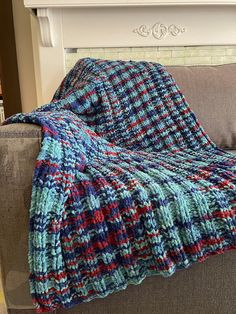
(89, 3)
(124, 23)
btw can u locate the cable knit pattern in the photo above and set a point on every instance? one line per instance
(126, 184)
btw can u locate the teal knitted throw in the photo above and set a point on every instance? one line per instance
(126, 184)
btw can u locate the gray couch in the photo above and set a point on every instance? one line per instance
(207, 288)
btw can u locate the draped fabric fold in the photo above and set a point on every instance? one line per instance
(127, 184)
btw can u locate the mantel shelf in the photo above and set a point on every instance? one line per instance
(119, 3)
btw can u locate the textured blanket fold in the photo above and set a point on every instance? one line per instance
(126, 184)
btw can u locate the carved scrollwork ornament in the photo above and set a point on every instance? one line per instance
(159, 30)
(143, 30)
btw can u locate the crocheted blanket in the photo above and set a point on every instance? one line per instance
(126, 185)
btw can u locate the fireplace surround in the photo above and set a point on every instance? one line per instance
(120, 24)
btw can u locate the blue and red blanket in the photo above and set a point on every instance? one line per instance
(126, 184)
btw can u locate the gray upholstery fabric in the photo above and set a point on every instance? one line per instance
(211, 93)
(19, 147)
(206, 288)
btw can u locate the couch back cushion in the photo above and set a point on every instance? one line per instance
(211, 93)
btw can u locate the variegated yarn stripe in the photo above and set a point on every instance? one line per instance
(126, 185)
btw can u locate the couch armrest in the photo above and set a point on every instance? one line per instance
(19, 147)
